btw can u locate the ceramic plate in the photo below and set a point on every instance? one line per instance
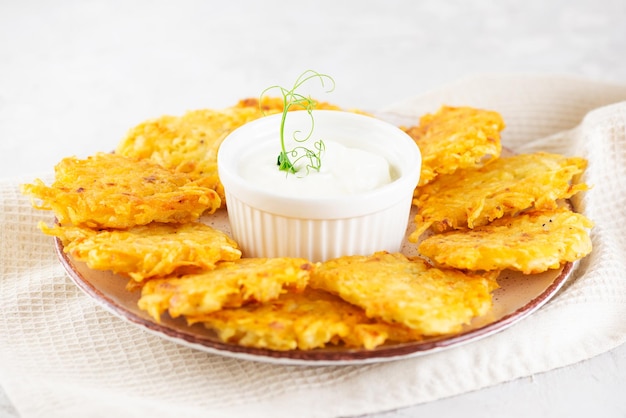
(517, 297)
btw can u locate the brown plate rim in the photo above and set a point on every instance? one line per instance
(339, 356)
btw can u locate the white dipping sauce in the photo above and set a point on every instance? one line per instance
(344, 171)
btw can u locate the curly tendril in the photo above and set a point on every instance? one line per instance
(287, 159)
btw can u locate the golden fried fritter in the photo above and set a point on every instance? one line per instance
(269, 105)
(189, 143)
(456, 137)
(112, 191)
(306, 320)
(532, 243)
(230, 284)
(429, 300)
(149, 251)
(474, 197)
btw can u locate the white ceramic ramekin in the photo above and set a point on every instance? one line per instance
(266, 224)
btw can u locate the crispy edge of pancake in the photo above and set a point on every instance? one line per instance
(532, 243)
(475, 197)
(455, 138)
(230, 284)
(411, 292)
(149, 251)
(306, 320)
(112, 191)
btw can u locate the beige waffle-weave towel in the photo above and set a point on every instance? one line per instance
(62, 355)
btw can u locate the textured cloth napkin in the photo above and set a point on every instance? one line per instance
(63, 355)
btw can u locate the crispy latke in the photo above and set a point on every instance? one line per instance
(113, 191)
(271, 105)
(149, 251)
(429, 300)
(189, 143)
(532, 243)
(230, 284)
(456, 137)
(306, 320)
(473, 197)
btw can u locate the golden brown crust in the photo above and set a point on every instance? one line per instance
(474, 197)
(305, 320)
(149, 251)
(456, 137)
(230, 284)
(113, 191)
(411, 292)
(532, 243)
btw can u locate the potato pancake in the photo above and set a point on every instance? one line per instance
(149, 251)
(532, 243)
(306, 320)
(270, 105)
(189, 143)
(230, 284)
(456, 137)
(113, 191)
(473, 197)
(429, 300)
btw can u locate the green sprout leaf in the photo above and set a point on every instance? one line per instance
(292, 100)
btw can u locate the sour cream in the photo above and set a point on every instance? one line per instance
(344, 171)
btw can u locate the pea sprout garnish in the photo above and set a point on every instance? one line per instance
(287, 159)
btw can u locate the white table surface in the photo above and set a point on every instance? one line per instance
(75, 75)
